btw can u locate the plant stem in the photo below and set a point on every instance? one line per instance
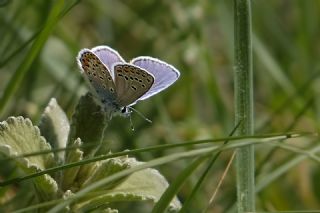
(244, 104)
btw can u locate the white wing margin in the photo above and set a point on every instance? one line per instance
(164, 74)
(108, 56)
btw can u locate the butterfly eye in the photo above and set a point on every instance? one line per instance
(124, 109)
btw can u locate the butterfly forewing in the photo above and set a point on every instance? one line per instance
(108, 57)
(131, 83)
(98, 76)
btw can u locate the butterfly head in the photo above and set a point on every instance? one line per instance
(125, 111)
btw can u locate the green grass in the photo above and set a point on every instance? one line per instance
(38, 62)
(244, 107)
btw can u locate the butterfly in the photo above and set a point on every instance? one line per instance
(118, 85)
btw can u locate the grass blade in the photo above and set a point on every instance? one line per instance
(244, 104)
(22, 70)
(175, 186)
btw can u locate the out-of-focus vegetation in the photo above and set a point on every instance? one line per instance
(197, 38)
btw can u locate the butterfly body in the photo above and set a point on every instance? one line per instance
(118, 85)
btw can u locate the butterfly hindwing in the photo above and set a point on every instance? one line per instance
(131, 83)
(164, 74)
(98, 76)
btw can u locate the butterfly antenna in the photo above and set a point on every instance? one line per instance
(141, 115)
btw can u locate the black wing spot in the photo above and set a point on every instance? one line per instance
(131, 78)
(111, 90)
(136, 79)
(120, 75)
(140, 80)
(134, 88)
(101, 77)
(143, 85)
(109, 78)
(90, 80)
(126, 77)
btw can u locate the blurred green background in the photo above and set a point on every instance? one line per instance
(197, 38)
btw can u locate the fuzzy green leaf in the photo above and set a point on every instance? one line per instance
(54, 126)
(88, 123)
(69, 175)
(144, 185)
(102, 207)
(108, 167)
(19, 137)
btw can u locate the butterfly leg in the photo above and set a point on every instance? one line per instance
(139, 113)
(131, 123)
(109, 114)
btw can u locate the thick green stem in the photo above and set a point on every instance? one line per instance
(244, 104)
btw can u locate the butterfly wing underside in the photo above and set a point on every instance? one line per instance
(108, 57)
(131, 83)
(164, 74)
(98, 76)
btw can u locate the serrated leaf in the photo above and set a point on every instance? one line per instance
(86, 171)
(55, 127)
(88, 123)
(144, 185)
(69, 175)
(108, 167)
(19, 137)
